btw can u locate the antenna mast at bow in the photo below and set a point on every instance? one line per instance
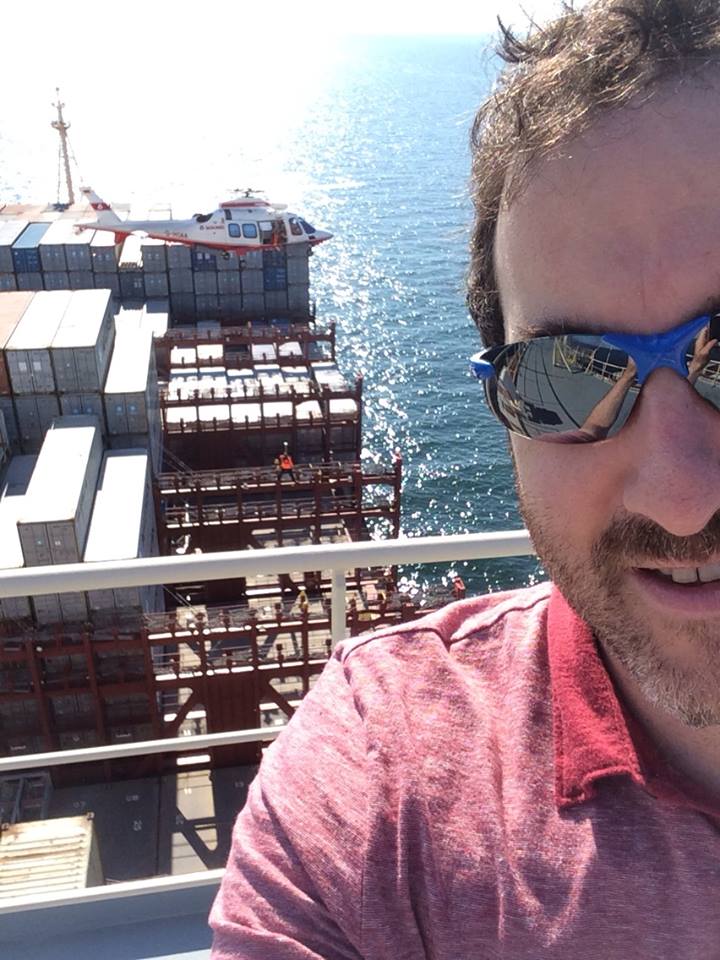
(62, 128)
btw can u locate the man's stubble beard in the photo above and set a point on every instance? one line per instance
(594, 586)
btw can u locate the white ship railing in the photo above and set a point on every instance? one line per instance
(338, 558)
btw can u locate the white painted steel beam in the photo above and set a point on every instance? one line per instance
(31, 581)
(137, 748)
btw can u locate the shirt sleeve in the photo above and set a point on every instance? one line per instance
(292, 888)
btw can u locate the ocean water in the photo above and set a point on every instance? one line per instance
(372, 145)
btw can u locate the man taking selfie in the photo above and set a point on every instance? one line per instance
(536, 774)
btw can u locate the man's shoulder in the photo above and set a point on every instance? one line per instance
(513, 616)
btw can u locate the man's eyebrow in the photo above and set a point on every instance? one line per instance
(556, 326)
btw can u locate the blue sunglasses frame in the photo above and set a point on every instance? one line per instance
(650, 351)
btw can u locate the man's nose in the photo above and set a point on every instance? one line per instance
(673, 474)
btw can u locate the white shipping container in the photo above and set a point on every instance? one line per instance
(54, 521)
(80, 350)
(130, 379)
(27, 352)
(61, 248)
(12, 492)
(48, 856)
(9, 232)
(122, 525)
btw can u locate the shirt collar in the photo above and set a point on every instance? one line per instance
(590, 731)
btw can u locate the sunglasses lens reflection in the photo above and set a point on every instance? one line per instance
(567, 389)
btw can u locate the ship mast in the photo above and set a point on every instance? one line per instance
(62, 128)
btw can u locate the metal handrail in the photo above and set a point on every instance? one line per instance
(335, 557)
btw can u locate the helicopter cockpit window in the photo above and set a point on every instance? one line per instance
(234, 229)
(202, 217)
(306, 227)
(250, 231)
(294, 227)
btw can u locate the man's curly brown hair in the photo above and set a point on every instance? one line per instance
(555, 82)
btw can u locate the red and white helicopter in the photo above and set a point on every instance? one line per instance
(237, 226)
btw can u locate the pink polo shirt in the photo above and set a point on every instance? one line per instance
(466, 787)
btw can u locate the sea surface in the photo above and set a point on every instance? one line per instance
(369, 140)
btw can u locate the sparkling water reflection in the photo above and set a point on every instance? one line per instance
(373, 147)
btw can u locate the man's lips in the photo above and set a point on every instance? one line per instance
(679, 590)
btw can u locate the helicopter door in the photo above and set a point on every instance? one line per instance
(273, 232)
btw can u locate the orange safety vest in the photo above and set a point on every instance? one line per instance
(286, 462)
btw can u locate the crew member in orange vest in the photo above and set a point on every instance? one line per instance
(284, 463)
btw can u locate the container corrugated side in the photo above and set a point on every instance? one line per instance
(48, 856)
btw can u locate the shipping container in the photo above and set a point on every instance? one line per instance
(122, 525)
(130, 379)
(84, 404)
(132, 285)
(81, 279)
(227, 282)
(207, 305)
(274, 270)
(181, 281)
(202, 259)
(27, 352)
(156, 285)
(12, 492)
(108, 281)
(156, 317)
(62, 248)
(12, 307)
(276, 301)
(7, 282)
(206, 282)
(154, 255)
(54, 521)
(80, 350)
(298, 270)
(9, 233)
(253, 260)
(231, 264)
(25, 253)
(56, 280)
(231, 306)
(39, 857)
(35, 413)
(178, 257)
(253, 304)
(182, 305)
(30, 281)
(298, 298)
(252, 281)
(7, 408)
(104, 252)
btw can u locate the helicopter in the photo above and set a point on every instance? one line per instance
(236, 227)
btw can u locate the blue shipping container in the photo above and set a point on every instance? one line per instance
(203, 260)
(274, 270)
(25, 254)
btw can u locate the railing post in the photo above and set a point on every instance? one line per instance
(337, 614)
